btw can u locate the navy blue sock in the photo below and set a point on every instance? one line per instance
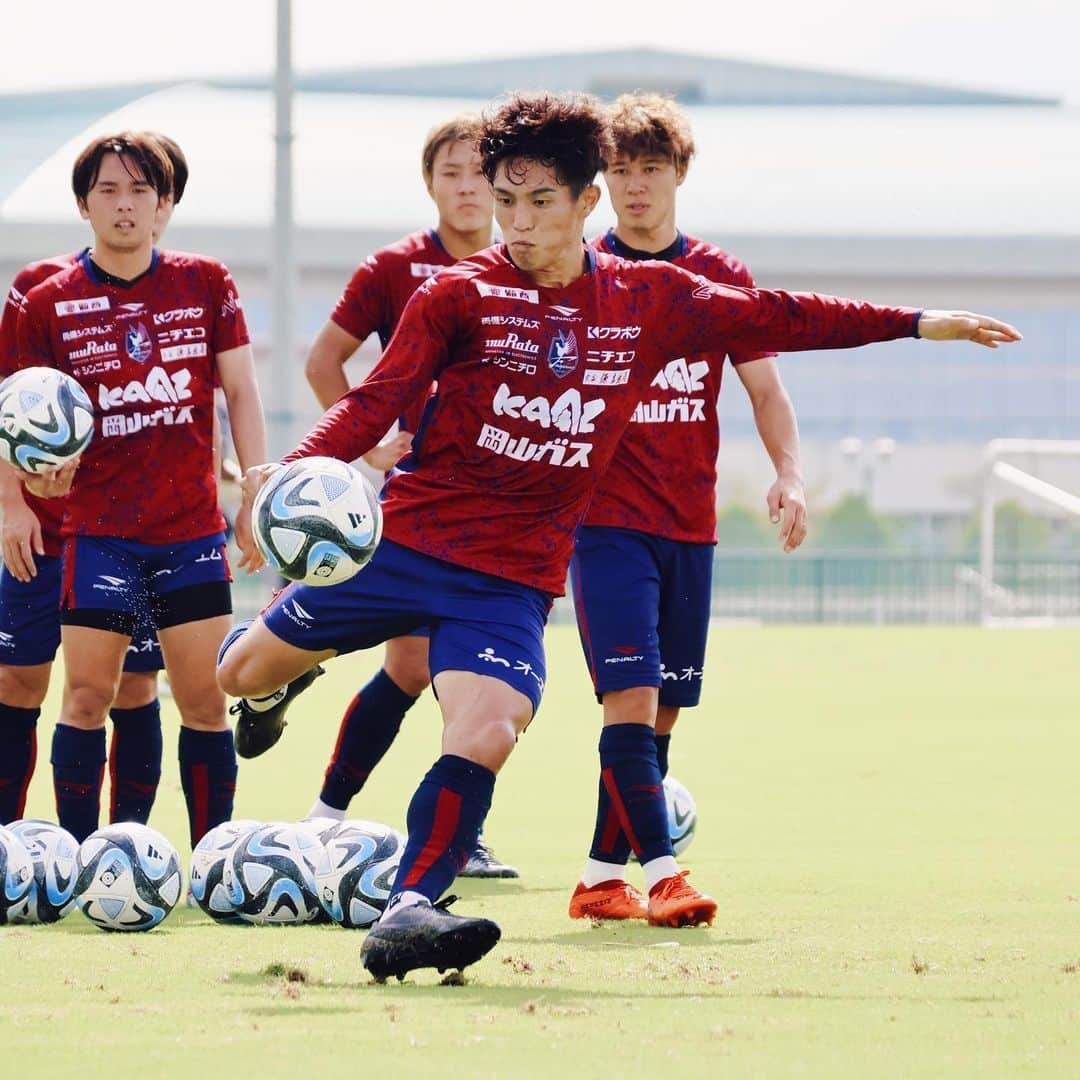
(18, 755)
(233, 636)
(629, 771)
(368, 729)
(135, 762)
(445, 818)
(663, 744)
(208, 777)
(78, 761)
(609, 842)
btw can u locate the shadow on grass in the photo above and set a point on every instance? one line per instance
(636, 935)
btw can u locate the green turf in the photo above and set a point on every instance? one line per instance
(889, 819)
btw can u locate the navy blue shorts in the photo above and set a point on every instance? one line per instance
(642, 605)
(478, 622)
(116, 584)
(30, 622)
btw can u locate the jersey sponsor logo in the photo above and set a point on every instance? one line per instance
(146, 645)
(132, 308)
(563, 452)
(183, 352)
(303, 618)
(182, 333)
(15, 298)
(508, 292)
(613, 333)
(92, 349)
(513, 343)
(563, 353)
(85, 331)
(424, 270)
(510, 320)
(7, 641)
(623, 659)
(704, 291)
(508, 363)
(567, 413)
(132, 424)
(81, 307)
(610, 356)
(163, 318)
(682, 377)
(490, 656)
(680, 410)
(606, 378)
(567, 311)
(108, 583)
(230, 305)
(100, 367)
(160, 385)
(686, 674)
(138, 343)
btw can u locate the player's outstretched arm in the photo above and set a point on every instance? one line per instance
(236, 369)
(966, 326)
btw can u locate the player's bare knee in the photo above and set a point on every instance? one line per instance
(86, 705)
(137, 688)
(636, 705)
(406, 664)
(23, 687)
(237, 674)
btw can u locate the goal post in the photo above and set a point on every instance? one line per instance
(1001, 477)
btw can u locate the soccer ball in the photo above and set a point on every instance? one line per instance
(128, 877)
(363, 858)
(681, 814)
(16, 874)
(46, 419)
(317, 521)
(270, 875)
(52, 852)
(207, 864)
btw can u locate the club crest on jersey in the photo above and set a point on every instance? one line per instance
(138, 343)
(563, 353)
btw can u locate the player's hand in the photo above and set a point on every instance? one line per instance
(52, 483)
(230, 472)
(787, 507)
(966, 326)
(20, 535)
(251, 558)
(389, 452)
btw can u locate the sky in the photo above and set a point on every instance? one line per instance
(1017, 45)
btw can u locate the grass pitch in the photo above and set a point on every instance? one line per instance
(889, 819)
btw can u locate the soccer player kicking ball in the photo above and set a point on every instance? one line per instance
(479, 533)
(642, 566)
(30, 606)
(148, 334)
(372, 303)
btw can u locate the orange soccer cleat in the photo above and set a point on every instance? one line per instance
(609, 900)
(675, 902)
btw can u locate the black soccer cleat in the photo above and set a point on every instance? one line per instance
(426, 936)
(256, 731)
(483, 863)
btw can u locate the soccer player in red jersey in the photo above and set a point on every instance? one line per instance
(149, 334)
(30, 607)
(372, 303)
(642, 566)
(478, 534)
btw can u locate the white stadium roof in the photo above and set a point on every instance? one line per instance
(798, 171)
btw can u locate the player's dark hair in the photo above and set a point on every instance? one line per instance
(179, 163)
(568, 133)
(136, 150)
(465, 127)
(651, 124)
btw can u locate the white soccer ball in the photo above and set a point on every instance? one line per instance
(16, 874)
(128, 877)
(681, 814)
(362, 861)
(270, 875)
(52, 851)
(317, 520)
(208, 863)
(46, 419)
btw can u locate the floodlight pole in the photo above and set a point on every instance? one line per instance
(282, 265)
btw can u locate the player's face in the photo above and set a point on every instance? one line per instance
(642, 190)
(461, 194)
(540, 218)
(122, 205)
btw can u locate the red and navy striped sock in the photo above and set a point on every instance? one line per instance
(663, 745)
(18, 755)
(631, 776)
(368, 730)
(78, 761)
(609, 842)
(135, 762)
(445, 818)
(208, 777)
